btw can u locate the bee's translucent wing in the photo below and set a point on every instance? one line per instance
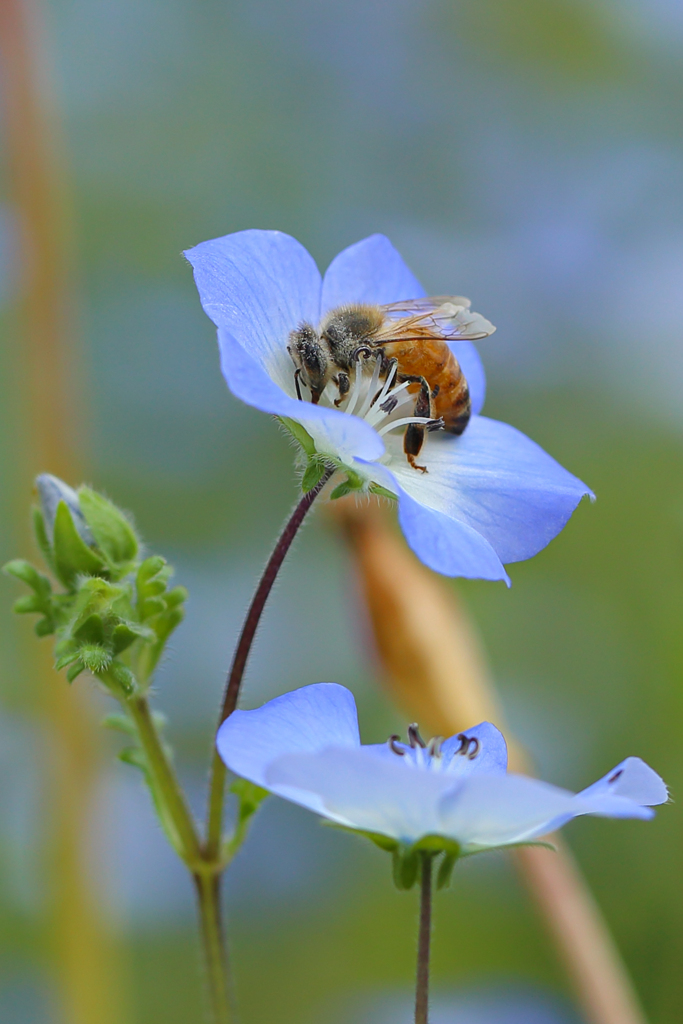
(441, 316)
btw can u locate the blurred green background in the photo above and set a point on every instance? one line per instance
(527, 153)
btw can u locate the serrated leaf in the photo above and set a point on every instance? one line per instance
(114, 534)
(68, 655)
(27, 573)
(72, 555)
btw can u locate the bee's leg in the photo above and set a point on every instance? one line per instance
(297, 385)
(343, 383)
(413, 439)
(415, 432)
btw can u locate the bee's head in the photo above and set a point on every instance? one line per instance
(310, 359)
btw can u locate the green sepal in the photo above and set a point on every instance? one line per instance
(42, 539)
(250, 798)
(353, 482)
(470, 852)
(122, 676)
(126, 633)
(382, 492)
(72, 556)
(386, 843)
(90, 630)
(405, 864)
(300, 435)
(115, 536)
(313, 475)
(74, 671)
(95, 658)
(443, 877)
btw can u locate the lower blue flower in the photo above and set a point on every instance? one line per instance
(489, 497)
(305, 747)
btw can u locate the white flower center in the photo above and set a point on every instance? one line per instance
(386, 406)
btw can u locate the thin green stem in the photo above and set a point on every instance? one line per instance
(164, 780)
(214, 828)
(207, 886)
(422, 986)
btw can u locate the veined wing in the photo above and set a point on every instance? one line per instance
(447, 317)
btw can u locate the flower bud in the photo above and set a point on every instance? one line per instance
(82, 533)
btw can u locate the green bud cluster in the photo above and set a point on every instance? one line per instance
(116, 611)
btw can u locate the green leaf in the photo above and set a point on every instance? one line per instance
(28, 573)
(28, 604)
(250, 797)
(122, 676)
(151, 566)
(90, 630)
(300, 434)
(110, 527)
(152, 606)
(44, 627)
(72, 555)
(119, 723)
(176, 596)
(313, 475)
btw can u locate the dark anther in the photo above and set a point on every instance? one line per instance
(616, 775)
(473, 745)
(389, 404)
(392, 741)
(362, 350)
(414, 737)
(434, 746)
(297, 374)
(469, 745)
(435, 424)
(464, 743)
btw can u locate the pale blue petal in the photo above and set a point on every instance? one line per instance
(473, 369)
(333, 431)
(634, 780)
(303, 721)
(491, 756)
(370, 271)
(445, 544)
(370, 792)
(498, 482)
(259, 286)
(493, 810)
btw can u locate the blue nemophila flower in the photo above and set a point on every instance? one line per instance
(488, 497)
(305, 747)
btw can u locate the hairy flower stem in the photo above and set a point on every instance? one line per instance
(239, 662)
(207, 886)
(422, 986)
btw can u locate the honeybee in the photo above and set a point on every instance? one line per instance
(410, 340)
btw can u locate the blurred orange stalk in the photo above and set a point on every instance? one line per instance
(81, 947)
(434, 666)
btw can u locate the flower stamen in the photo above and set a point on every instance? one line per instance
(414, 738)
(392, 741)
